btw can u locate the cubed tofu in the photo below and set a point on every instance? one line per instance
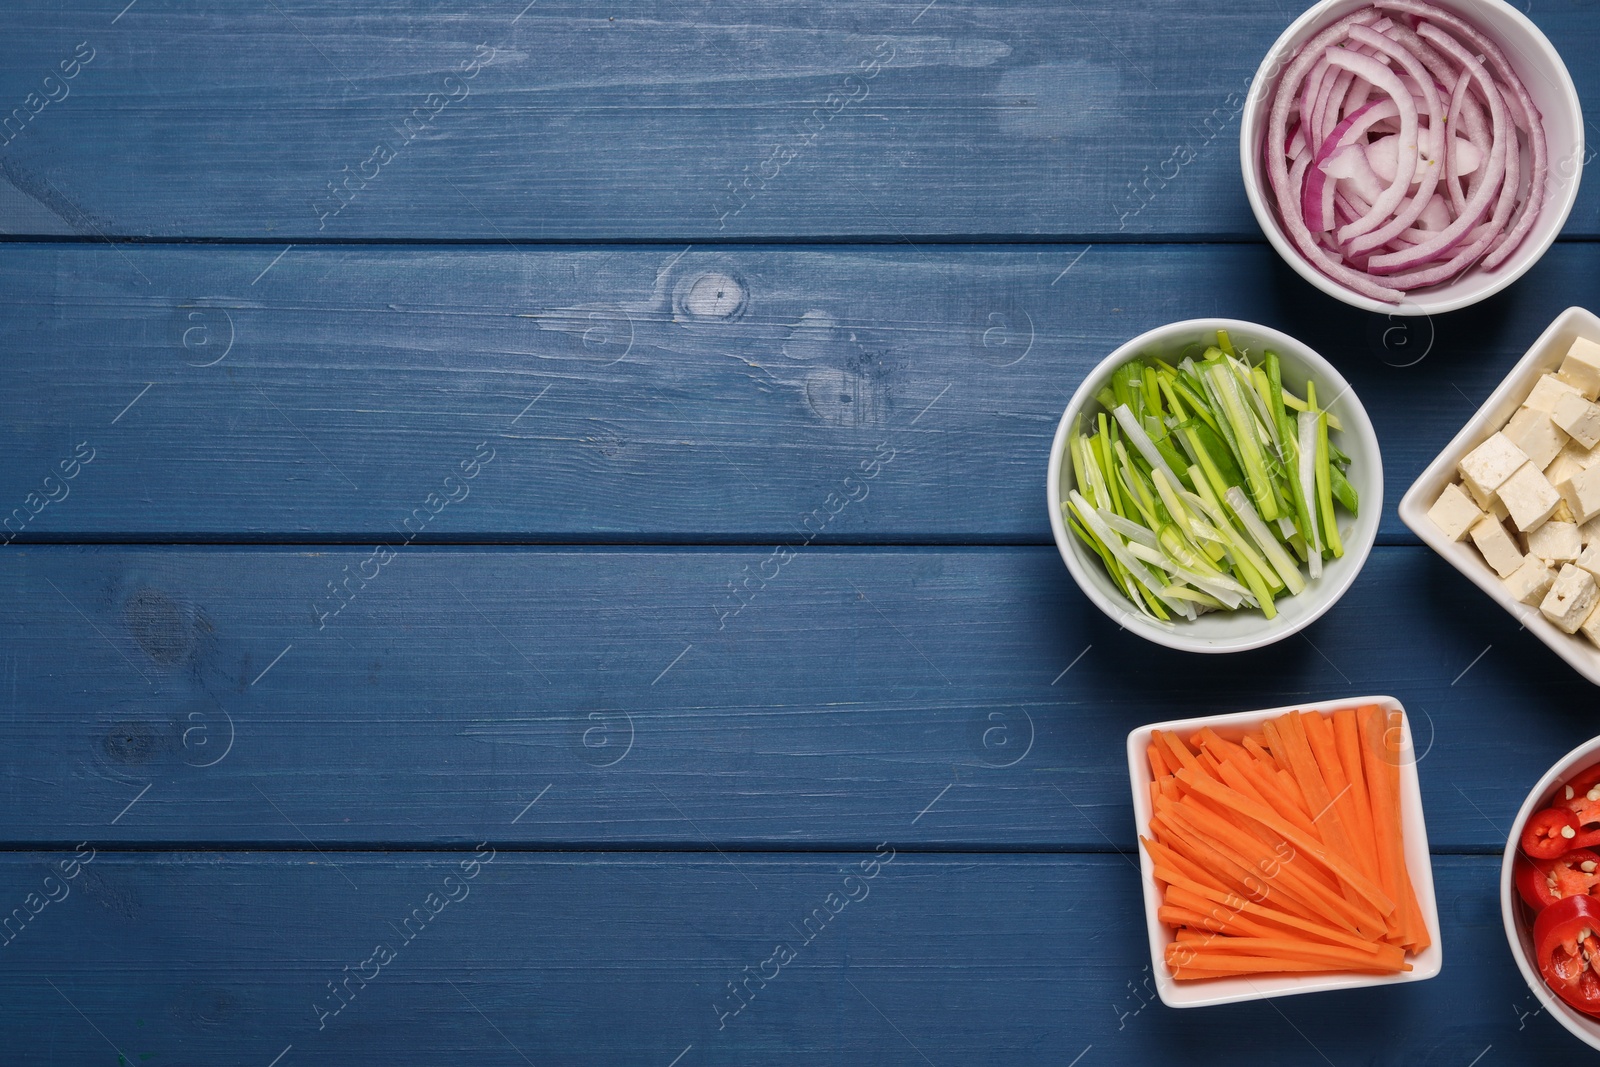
(1571, 598)
(1497, 546)
(1556, 542)
(1530, 582)
(1563, 513)
(1582, 494)
(1455, 513)
(1497, 508)
(1567, 463)
(1590, 531)
(1529, 497)
(1549, 389)
(1537, 434)
(1581, 366)
(1579, 418)
(1486, 468)
(1589, 560)
(1591, 628)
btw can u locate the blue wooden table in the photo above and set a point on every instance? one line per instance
(527, 543)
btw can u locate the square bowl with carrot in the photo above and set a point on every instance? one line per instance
(1283, 851)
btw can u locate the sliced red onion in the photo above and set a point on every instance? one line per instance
(1434, 112)
(1526, 116)
(1478, 202)
(1430, 94)
(1278, 168)
(1385, 81)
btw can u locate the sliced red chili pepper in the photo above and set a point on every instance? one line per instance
(1564, 942)
(1581, 788)
(1531, 884)
(1543, 882)
(1549, 833)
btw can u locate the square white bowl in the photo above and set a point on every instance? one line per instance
(1545, 355)
(1212, 991)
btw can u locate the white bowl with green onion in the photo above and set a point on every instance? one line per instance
(1231, 485)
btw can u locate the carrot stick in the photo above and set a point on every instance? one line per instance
(1164, 854)
(1370, 894)
(1372, 725)
(1184, 958)
(1270, 791)
(1246, 911)
(1158, 762)
(1418, 937)
(1291, 789)
(1307, 769)
(1300, 892)
(1220, 747)
(1225, 873)
(1256, 745)
(1388, 957)
(1324, 745)
(1182, 757)
(1324, 813)
(1347, 740)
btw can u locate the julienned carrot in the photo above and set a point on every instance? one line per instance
(1270, 790)
(1282, 851)
(1292, 925)
(1163, 853)
(1347, 739)
(1380, 956)
(1417, 936)
(1257, 747)
(1324, 813)
(1158, 762)
(1180, 751)
(1360, 887)
(1220, 747)
(1279, 878)
(1207, 964)
(1325, 746)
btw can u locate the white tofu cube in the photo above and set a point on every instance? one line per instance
(1590, 531)
(1589, 560)
(1565, 465)
(1530, 582)
(1485, 469)
(1591, 628)
(1497, 547)
(1549, 389)
(1454, 513)
(1582, 494)
(1579, 418)
(1563, 513)
(1581, 366)
(1537, 434)
(1530, 498)
(1497, 508)
(1556, 542)
(1571, 598)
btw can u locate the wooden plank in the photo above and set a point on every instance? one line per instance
(303, 119)
(321, 394)
(187, 696)
(980, 959)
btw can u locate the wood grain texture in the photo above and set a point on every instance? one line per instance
(187, 697)
(656, 121)
(322, 395)
(978, 959)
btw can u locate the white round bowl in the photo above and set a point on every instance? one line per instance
(1232, 631)
(1536, 62)
(1519, 931)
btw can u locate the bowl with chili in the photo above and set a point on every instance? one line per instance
(1550, 891)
